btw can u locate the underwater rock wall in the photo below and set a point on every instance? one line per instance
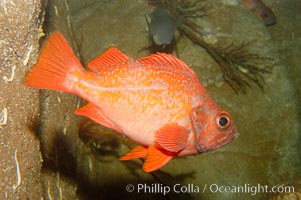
(20, 156)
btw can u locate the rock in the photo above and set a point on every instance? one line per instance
(20, 156)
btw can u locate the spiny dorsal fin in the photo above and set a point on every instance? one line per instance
(111, 57)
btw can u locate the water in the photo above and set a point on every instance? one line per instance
(267, 151)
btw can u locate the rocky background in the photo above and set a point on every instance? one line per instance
(47, 152)
(20, 156)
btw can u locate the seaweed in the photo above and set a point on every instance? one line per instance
(181, 9)
(238, 64)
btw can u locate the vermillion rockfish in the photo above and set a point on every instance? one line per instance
(260, 10)
(156, 101)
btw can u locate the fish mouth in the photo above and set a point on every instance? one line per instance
(230, 137)
(219, 143)
(225, 140)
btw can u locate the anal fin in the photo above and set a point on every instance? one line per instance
(137, 152)
(96, 115)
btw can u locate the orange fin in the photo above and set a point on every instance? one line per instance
(55, 61)
(156, 159)
(172, 137)
(109, 58)
(96, 115)
(137, 152)
(168, 61)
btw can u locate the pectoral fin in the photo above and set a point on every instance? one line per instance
(172, 137)
(156, 158)
(137, 152)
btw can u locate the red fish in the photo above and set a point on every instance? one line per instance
(156, 101)
(260, 10)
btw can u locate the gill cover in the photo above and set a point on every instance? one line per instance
(212, 127)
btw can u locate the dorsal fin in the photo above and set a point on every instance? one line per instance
(111, 57)
(166, 60)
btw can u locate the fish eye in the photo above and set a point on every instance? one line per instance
(223, 121)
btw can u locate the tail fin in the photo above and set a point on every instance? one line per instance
(55, 61)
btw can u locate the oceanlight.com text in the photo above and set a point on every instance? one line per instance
(250, 189)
